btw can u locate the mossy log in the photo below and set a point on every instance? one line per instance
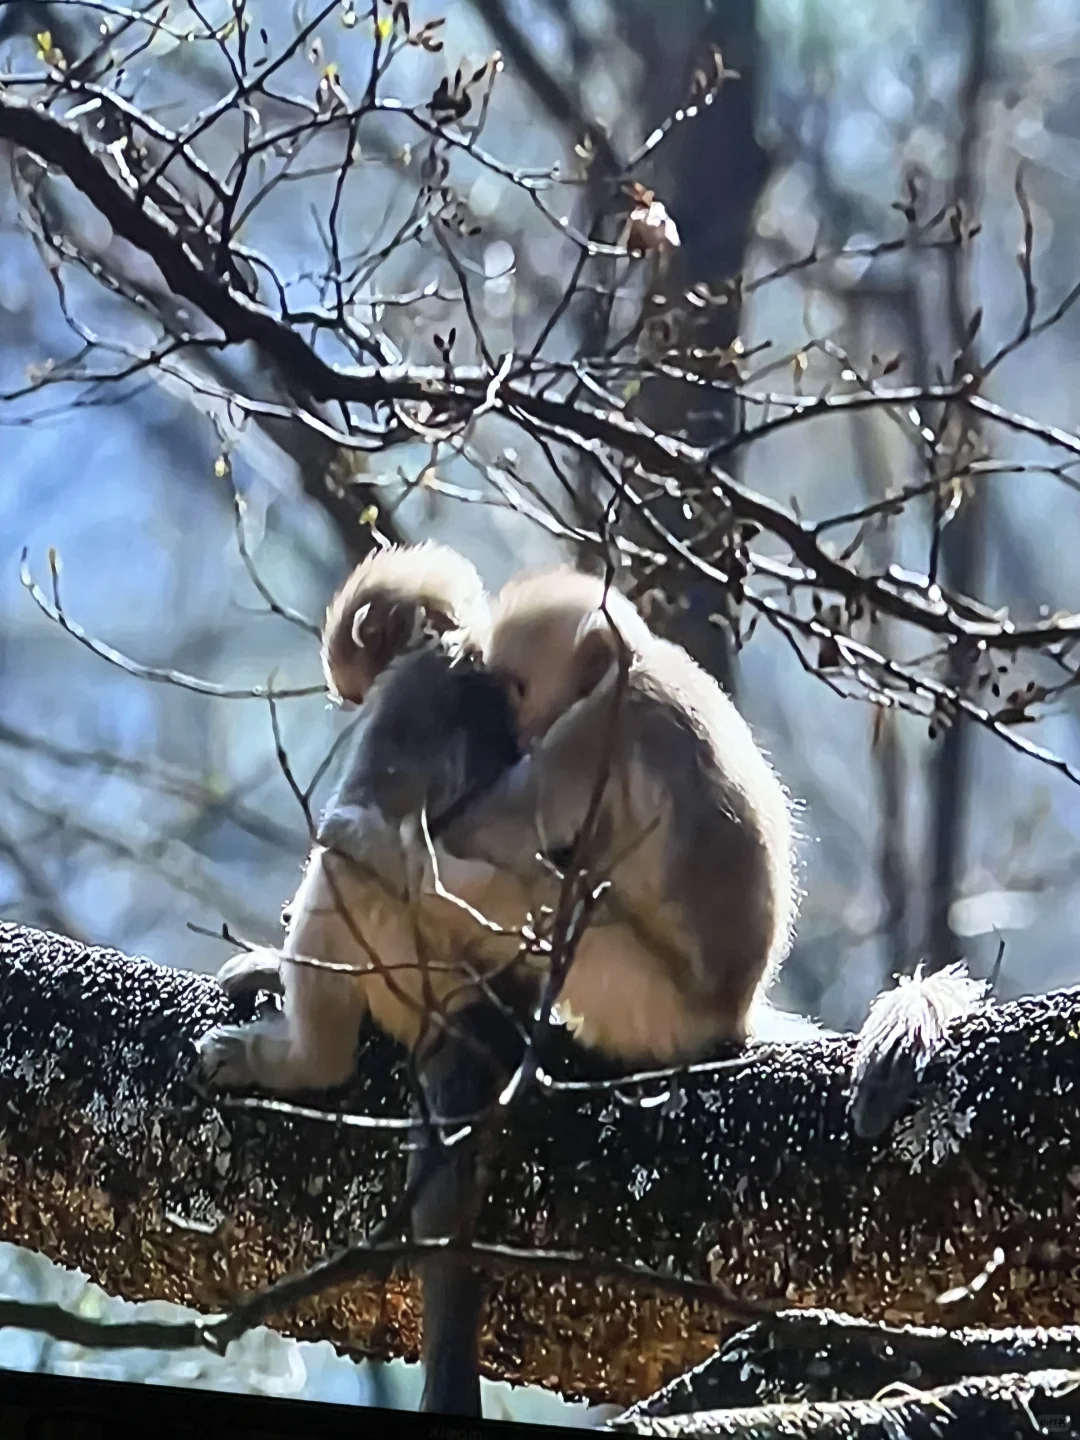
(815, 1358)
(109, 1161)
(993, 1407)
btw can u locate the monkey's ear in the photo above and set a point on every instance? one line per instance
(596, 649)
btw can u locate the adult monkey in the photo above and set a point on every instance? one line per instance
(693, 831)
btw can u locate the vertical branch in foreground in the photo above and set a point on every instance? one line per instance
(960, 543)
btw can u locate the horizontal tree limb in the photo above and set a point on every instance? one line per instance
(110, 1161)
(1046, 1402)
(815, 1356)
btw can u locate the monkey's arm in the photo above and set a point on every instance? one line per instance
(540, 804)
(362, 834)
(502, 826)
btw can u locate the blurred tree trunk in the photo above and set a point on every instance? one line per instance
(710, 173)
(958, 546)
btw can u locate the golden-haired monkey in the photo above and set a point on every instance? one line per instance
(403, 639)
(694, 831)
(387, 601)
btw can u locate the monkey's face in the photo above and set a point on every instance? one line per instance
(348, 675)
(552, 643)
(535, 659)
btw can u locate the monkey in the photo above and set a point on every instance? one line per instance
(555, 649)
(694, 832)
(904, 1031)
(403, 639)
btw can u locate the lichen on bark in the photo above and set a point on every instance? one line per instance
(110, 1161)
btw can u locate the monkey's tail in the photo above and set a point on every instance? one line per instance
(903, 1032)
(461, 1073)
(445, 1208)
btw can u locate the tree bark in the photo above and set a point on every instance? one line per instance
(111, 1162)
(813, 1357)
(1046, 1402)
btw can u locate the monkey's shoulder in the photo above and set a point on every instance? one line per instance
(675, 712)
(688, 729)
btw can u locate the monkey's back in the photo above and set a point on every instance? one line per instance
(436, 731)
(728, 853)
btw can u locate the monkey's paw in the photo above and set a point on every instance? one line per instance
(223, 1055)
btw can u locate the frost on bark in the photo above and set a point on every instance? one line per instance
(111, 1162)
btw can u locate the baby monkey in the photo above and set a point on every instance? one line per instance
(693, 832)
(404, 640)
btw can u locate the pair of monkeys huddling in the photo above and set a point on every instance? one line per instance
(483, 728)
(492, 720)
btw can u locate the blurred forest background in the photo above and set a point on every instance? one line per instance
(131, 810)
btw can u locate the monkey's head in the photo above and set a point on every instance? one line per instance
(393, 601)
(552, 642)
